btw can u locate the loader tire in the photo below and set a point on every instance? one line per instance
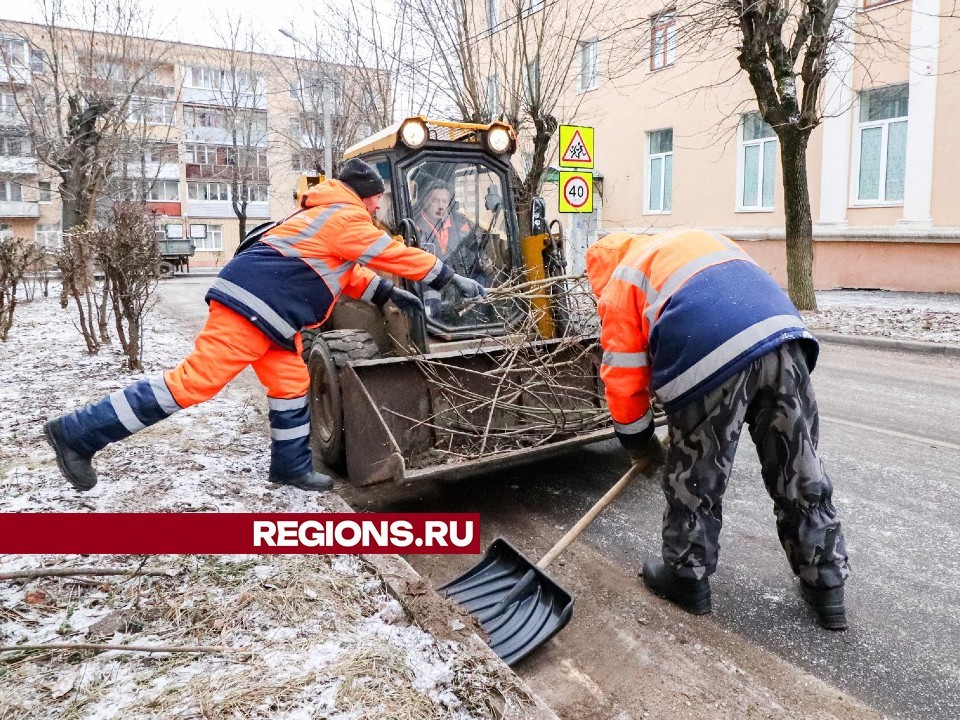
(328, 352)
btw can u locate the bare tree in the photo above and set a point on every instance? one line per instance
(127, 253)
(75, 89)
(519, 66)
(337, 102)
(17, 258)
(225, 116)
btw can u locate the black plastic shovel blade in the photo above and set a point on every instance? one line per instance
(518, 605)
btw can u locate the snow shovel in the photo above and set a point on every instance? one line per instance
(517, 604)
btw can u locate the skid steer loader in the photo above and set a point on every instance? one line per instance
(450, 392)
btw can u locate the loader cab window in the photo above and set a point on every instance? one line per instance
(461, 217)
(385, 217)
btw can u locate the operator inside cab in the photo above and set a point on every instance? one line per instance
(458, 213)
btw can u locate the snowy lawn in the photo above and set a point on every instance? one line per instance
(326, 639)
(930, 317)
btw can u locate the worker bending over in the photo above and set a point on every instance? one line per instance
(289, 280)
(689, 317)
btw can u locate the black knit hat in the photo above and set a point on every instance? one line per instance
(361, 178)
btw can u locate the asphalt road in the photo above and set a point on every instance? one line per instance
(890, 441)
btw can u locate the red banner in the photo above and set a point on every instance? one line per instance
(238, 533)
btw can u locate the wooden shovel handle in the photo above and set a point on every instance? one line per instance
(574, 532)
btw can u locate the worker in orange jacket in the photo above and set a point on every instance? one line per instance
(289, 280)
(689, 317)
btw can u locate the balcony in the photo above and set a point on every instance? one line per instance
(224, 209)
(18, 165)
(226, 172)
(169, 208)
(19, 209)
(153, 170)
(223, 98)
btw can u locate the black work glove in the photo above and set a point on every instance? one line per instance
(651, 456)
(468, 288)
(405, 300)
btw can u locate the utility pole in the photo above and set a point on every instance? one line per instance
(326, 100)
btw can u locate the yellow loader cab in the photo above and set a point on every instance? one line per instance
(448, 192)
(375, 408)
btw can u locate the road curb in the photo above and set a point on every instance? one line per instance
(912, 346)
(514, 699)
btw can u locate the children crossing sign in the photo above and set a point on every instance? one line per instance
(576, 192)
(576, 146)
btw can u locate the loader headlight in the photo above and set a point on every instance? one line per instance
(413, 133)
(498, 139)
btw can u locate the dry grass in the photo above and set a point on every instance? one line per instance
(327, 640)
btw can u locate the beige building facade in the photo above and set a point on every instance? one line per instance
(678, 143)
(185, 163)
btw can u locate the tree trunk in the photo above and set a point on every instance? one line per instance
(799, 221)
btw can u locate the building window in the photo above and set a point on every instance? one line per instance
(589, 64)
(493, 14)
(45, 192)
(660, 171)
(258, 193)
(308, 161)
(493, 96)
(14, 147)
(213, 239)
(6, 231)
(151, 111)
(757, 164)
(663, 40)
(208, 191)
(203, 117)
(882, 144)
(8, 106)
(206, 78)
(164, 191)
(13, 51)
(10, 191)
(49, 237)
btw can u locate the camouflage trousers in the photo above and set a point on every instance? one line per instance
(774, 396)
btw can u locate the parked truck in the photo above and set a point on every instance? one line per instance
(175, 254)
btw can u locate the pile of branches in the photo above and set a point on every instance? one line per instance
(524, 393)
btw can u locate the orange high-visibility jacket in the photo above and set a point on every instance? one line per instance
(681, 312)
(293, 277)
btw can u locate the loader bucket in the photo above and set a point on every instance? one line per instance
(518, 605)
(399, 427)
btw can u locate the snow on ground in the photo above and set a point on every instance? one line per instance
(930, 317)
(328, 640)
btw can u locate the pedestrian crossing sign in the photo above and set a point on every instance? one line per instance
(576, 146)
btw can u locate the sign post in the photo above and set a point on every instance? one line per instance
(576, 184)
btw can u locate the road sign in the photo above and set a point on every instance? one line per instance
(576, 146)
(576, 191)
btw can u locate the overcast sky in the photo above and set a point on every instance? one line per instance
(194, 21)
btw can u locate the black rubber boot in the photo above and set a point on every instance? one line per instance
(828, 604)
(692, 595)
(76, 468)
(312, 480)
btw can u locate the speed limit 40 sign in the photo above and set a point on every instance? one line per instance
(576, 192)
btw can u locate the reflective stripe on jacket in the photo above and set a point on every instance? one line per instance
(293, 278)
(681, 312)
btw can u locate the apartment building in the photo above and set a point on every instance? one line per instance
(208, 129)
(679, 142)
